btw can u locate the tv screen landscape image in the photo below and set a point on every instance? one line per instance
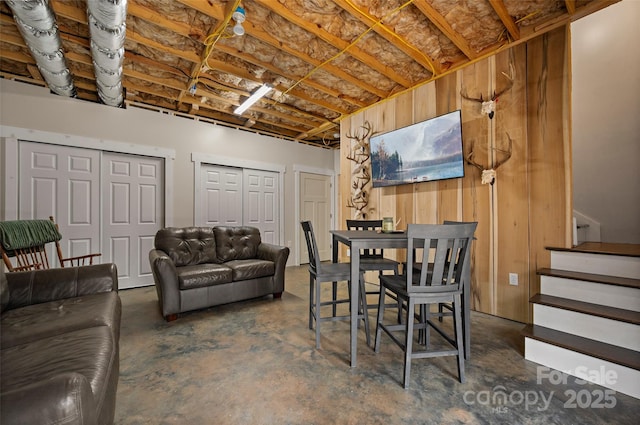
(426, 151)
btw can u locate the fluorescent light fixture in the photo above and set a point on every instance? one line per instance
(264, 89)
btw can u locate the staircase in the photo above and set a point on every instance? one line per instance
(586, 318)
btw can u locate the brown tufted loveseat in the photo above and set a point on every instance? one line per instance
(199, 267)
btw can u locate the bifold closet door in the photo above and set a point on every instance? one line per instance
(221, 200)
(234, 196)
(260, 206)
(133, 203)
(63, 182)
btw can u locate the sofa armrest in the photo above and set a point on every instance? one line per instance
(40, 286)
(279, 255)
(65, 399)
(165, 277)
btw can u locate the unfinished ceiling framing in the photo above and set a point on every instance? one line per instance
(326, 59)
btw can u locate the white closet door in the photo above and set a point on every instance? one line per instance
(234, 196)
(261, 198)
(133, 212)
(315, 206)
(221, 196)
(63, 182)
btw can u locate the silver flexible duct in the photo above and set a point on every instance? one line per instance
(107, 26)
(37, 24)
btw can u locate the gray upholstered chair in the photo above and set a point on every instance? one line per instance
(449, 247)
(320, 272)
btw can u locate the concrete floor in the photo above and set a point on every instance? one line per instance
(255, 362)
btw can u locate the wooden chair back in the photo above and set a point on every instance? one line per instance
(80, 260)
(25, 241)
(24, 245)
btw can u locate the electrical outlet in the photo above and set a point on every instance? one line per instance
(513, 279)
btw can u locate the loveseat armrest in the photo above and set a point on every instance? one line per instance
(41, 286)
(279, 255)
(165, 277)
(64, 399)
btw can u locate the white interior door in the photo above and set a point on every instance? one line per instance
(233, 196)
(315, 206)
(63, 182)
(221, 195)
(260, 206)
(133, 212)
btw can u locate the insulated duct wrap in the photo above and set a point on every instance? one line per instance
(37, 24)
(107, 26)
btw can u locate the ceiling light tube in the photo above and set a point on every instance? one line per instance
(264, 89)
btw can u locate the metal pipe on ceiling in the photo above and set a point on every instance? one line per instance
(37, 24)
(107, 26)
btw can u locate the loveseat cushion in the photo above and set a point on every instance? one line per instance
(251, 269)
(236, 243)
(37, 321)
(203, 275)
(89, 352)
(187, 246)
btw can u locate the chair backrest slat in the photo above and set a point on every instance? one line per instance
(31, 258)
(446, 251)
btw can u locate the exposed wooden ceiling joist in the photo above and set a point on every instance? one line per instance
(326, 60)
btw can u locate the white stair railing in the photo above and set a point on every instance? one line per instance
(585, 228)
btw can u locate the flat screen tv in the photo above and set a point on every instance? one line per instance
(425, 151)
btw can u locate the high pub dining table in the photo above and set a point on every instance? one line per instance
(358, 240)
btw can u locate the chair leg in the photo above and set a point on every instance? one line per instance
(334, 294)
(422, 331)
(457, 314)
(408, 344)
(365, 309)
(427, 328)
(399, 301)
(466, 323)
(379, 318)
(318, 314)
(311, 301)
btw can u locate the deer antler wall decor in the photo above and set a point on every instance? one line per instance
(361, 175)
(489, 174)
(489, 106)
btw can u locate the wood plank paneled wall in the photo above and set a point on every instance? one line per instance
(529, 206)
